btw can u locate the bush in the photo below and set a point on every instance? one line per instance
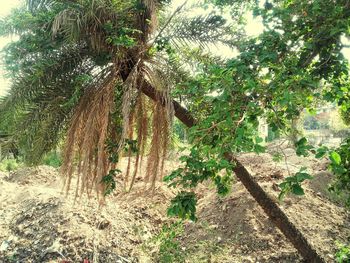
(53, 159)
(343, 253)
(340, 166)
(8, 165)
(169, 246)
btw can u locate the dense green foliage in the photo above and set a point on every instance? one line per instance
(294, 62)
(8, 165)
(343, 253)
(169, 245)
(340, 166)
(53, 159)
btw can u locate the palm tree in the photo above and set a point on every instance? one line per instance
(80, 71)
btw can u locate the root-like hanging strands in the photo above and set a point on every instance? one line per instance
(130, 152)
(142, 132)
(86, 138)
(159, 145)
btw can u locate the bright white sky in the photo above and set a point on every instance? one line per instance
(5, 8)
(253, 28)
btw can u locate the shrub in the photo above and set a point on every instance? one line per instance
(343, 253)
(53, 159)
(169, 247)
(8, 165)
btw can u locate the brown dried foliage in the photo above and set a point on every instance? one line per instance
(142, 132)
(85, 150)
(86, 138)
(159, 144)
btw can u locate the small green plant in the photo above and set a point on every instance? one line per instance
(9, 165)
(277, 157)
(303, 148)
(53, 159)
(169, 246)
(343, 253)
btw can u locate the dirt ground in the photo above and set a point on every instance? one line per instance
(38, 223)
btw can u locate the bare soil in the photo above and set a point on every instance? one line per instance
(38, 223)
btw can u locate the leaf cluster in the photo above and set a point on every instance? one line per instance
(340, 166)
(183, 206)
(109, 181)
(292, 184)
(294, 62)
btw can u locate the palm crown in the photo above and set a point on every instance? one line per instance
(79, 68)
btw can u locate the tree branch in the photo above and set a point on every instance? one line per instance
(277, 216)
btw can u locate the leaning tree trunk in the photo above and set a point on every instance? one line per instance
(277, 216)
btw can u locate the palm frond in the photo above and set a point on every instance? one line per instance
(92, 21)
(202, 30)
(77, 73)
(40, 5)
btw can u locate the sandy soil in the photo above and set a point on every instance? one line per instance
(39, 224)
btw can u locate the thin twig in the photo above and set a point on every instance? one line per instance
(285, 160)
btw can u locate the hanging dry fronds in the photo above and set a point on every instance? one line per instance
(142, 132)
(91, 124)
(86, 138)
(129, 93)
(130, 152)
(159, 144)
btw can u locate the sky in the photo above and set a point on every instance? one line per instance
(254, 28)
(5, 9)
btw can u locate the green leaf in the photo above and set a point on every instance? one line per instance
(302, 141)
(297, 189)
(303, 176)
(183, 206)
(283, 185)
(335, 157)
(321, 152)
(259, 149)
(259, 140)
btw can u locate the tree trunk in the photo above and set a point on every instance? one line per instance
(277, 216)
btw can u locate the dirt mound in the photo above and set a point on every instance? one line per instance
(34, 228)
(39, 224)
(34, 175)
(48, 229)
(236, 229)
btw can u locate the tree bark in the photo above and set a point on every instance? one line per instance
(274, 212)
(180, 112)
